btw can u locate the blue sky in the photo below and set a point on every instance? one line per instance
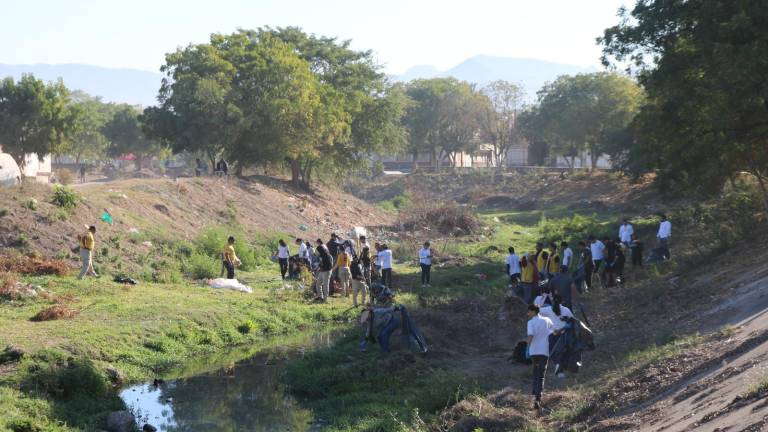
(402, 33)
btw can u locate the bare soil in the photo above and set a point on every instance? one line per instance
(182, 208)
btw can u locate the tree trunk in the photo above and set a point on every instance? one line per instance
(295, 172)
(593, 158)
(239, 170)
(138, 162)
(573, 163)
(415, 161)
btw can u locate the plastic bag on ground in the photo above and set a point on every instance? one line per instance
(232, 284)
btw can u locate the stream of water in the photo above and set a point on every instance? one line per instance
(243, 395)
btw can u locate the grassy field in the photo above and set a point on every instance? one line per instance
(143, 331)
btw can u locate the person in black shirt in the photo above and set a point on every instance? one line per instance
(323, 271)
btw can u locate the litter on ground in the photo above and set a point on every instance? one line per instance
(232, 284)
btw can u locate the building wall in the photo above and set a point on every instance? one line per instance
(36, 168)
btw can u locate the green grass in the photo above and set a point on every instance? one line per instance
(144, 331)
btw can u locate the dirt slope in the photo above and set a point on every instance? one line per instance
(721, 392)
(181, 208)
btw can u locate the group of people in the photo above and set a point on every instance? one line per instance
(346, 266)
(546, 280)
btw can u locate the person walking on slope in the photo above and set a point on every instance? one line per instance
(625, 232)
(343, 261)
(385, 261)
(323, 270)
(87, 245)
(229, 258)
(425, 262)
(282, 257)
(597, 249)
(303, 253)
(539, 328)
(663, 236)
(584, 268)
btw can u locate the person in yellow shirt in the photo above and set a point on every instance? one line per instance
(343, 261)
(87, 245)
(229, 258)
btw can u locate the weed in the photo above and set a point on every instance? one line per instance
(65, 176)
(30, 204)
(65, 197)
(4, 212)
(200, 266)
(396, 203)
(59, 214)
(246, 327)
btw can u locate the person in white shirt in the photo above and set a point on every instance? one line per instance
(625, 232)
(539, 328)
(665, 232)
(566, 260)
(425, 262)
(560, 315)
(385, 261)
(597, 248)
(282, 257)
(303, 253)
(513, 267)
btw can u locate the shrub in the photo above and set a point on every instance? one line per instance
(168, 275)
(65, 197)
(200, 266)
(396, 203)
(65, 176)
(30, 204)
(573, 229)
(246, 327)
(3, 212)
(213, 240)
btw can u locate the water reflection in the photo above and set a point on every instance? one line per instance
(247, 395)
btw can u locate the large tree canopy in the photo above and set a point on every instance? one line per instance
(271, 96)
(35, 117)
(499, 118)
(703, 64)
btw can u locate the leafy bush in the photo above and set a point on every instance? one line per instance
(246, 327)
(168, 275)
(396, 203)
(65, 197)
(573, 229)
(200, 266)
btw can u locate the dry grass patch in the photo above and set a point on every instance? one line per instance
(57, 311)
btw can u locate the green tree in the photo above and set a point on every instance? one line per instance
(702, 64)
(89, 115)
(35, 117)
(586, 112)
(126, 136)
(360, 113)
(443, 118)
(499, 118)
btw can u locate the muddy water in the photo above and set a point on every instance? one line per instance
(241, 395)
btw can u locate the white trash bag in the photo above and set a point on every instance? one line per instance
(232, 284)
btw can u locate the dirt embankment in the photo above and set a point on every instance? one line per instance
(179, 208)
(520, 190)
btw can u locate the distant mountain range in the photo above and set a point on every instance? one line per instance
(132, 86)
(140, 87)
(529, 73)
